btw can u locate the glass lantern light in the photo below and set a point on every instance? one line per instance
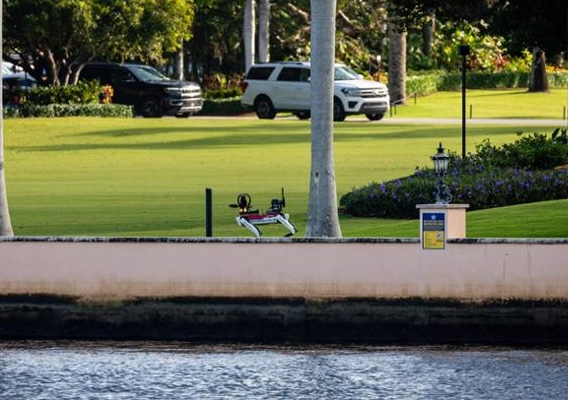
(441, 159)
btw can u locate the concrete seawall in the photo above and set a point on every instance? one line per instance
(354, 290)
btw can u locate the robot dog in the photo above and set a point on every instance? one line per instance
(249, 219)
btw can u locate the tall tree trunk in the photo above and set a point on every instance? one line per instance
(5, 222)
(263, 30)
(323, 219)
(397, 64)
(538, 81)
(178, 64)
(428, 30)
(249, 33)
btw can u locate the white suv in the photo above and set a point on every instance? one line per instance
(285, 86)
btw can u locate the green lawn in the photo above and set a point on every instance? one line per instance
(488, 104)
(147, 177)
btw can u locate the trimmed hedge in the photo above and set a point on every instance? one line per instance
(69, 110)
(485, 80)
(522, 172)
(81, 93)
(82, 99)
(227, 106)
(426, 84)
(422, 85)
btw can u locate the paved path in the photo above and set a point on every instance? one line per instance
(387, 120)
(449, 121)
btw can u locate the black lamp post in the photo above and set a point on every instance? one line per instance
(441, 159)
(463, 51)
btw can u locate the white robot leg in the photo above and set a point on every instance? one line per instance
(241, 221)
(283, 219)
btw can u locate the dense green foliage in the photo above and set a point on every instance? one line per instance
(523, 24)
(515, 173)
(223, 106)
(485, 50)
(83, 99)
(70, 110)
(536, 151)
(427, 83)
(49, 37)
(81, 93)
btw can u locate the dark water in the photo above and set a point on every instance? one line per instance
(86, 370)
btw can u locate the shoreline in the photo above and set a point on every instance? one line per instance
(411, 321)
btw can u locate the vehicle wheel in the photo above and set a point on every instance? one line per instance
(151, 109)
(183, 115)
(375, 116)
(338, 110)
(264, 108)
(303, 115)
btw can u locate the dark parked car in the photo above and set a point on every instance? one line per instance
(150, 92)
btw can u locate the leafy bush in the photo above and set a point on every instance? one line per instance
(422, 85)
(226, 93)
(536, 151)
(484, 80)
(223, 106)
(516, 173)
(81, 93)
(82, 99)
(425, 84)
(219, 86)
(557, 79)
(69, 110)
(393, 199)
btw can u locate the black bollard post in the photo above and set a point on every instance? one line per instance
(463, 51)
(208, 212)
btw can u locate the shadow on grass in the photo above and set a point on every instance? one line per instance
(490, 93)
(236, 136)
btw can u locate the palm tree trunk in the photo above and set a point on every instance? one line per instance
(263, 30)
(249, 33)
(323, 219)
(428, 30)
(538, 81)
(5, 222)
(397, 64)
(178, 63)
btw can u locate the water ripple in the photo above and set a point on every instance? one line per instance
(172, 371)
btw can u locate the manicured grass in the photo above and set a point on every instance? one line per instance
(545, 220)
(488, 104)
(147, 177)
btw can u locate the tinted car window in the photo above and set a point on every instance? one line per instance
(122, 75)
(345, 74)
(260, 73)
(102, 74)
(294, 74)
(146, 73)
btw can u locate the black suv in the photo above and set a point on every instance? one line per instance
(150, 92)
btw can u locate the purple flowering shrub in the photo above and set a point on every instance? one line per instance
(529, 170)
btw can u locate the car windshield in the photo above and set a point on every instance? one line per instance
(147, 73)
(343, 73)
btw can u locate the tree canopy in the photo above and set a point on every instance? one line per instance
(47, 37)
(523, 23)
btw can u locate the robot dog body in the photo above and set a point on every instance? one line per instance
(249, 219)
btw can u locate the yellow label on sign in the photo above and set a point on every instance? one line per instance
(433, 239)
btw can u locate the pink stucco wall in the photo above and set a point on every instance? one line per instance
(102, 269)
